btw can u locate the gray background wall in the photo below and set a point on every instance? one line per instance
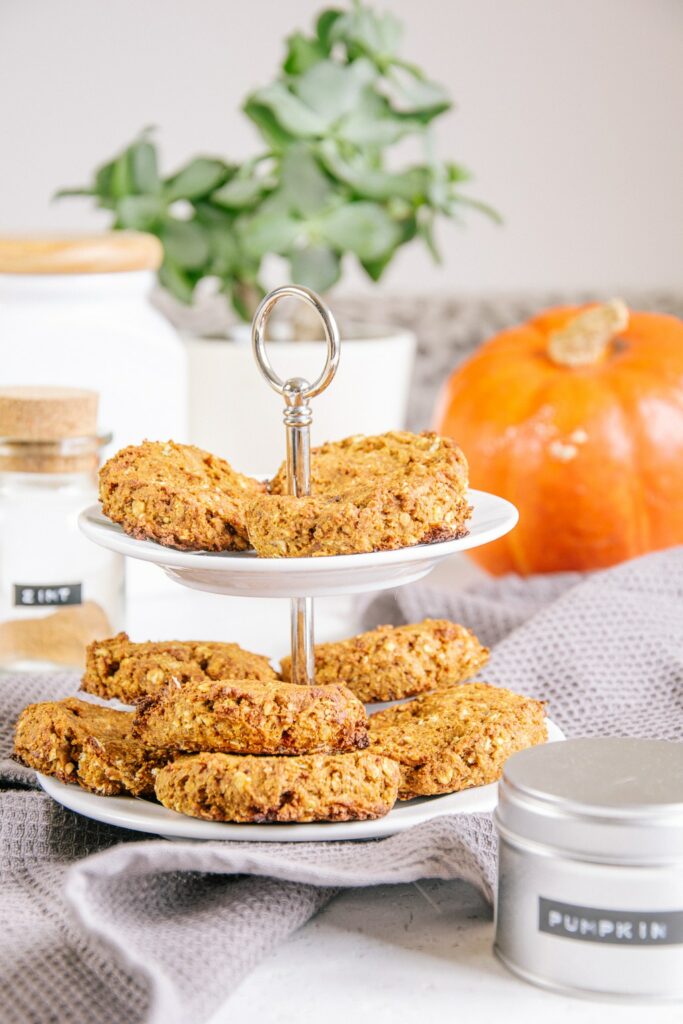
(569, 115)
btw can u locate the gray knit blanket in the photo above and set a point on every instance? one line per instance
(101, 926)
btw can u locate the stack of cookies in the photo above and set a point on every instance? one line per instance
(367, 494)
(216, 733)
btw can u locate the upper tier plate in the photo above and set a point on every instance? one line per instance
(242, 574)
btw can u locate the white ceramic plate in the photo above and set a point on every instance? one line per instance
(144, 816)
(242, 574)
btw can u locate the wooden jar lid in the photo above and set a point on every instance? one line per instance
(47, 414)
(108, 253)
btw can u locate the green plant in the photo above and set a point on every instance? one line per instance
(322, 188)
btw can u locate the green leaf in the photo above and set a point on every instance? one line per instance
(289, 111)
(268, 125)
(375, 268)
(363, 228)
(407, 224)
(207, 214)
(302, 54)
(121, 179)
(143, 168)
(412, 93)
(238, 193)
(185, 243)
(372, 125)
(324, 27)
(323, 94)
(438, 191)
(226, 255)
(456, 173)
(179, 283)
(274, 231)
(65, 193)
(476, 204)
(366, 31)
(139, 213)
(364, 127)
(305, 188)
(103, 180)
(333, 90)
(409, 185)
(316, 267)
(196, 179)
(426, 231)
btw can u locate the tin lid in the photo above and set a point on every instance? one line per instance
(601, 799)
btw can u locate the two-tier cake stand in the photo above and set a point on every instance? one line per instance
(243, 574)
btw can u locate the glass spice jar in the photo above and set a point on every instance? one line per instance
(58, 591)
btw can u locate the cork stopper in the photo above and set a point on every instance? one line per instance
(106, 253)
(37, 424)
(47, 414)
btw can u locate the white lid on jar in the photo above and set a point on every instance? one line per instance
(600, 799)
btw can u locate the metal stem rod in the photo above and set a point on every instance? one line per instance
(302, 640)
(298, 418)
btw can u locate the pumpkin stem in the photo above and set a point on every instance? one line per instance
(585, 338)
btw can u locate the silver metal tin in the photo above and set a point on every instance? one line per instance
(590, 885)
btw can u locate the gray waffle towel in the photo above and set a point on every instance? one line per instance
(100, 926)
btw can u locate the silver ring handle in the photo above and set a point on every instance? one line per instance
(258, 342)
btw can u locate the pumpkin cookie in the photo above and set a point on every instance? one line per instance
(250, 717)
(119, 668)
(367, 494)
(391, 662)
(317, 787)
(86, 743)
(456, 737)
(177, 495)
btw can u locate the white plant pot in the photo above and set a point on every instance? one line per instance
(234, 413)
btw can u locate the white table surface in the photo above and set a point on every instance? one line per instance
(389, 954)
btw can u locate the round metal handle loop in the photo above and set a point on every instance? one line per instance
(258, 342)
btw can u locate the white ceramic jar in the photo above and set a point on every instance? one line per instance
(74, 312)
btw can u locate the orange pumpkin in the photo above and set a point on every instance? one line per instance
(577, 418)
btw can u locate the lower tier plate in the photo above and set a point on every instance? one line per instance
(152, 818)
(243, 574)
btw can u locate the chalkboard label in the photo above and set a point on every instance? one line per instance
(32, 595)
(616, 927)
